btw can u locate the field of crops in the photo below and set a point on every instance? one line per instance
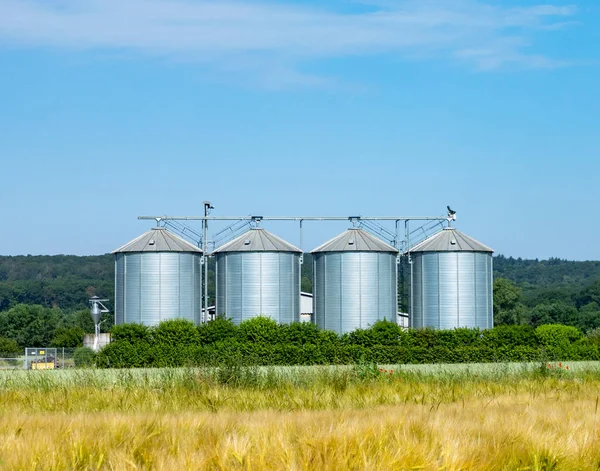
(450, 417)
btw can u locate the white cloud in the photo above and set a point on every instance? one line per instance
(282, 37)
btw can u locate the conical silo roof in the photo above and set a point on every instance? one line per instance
(355, 240)
(450, 240)
(158, 239)
(257, 240)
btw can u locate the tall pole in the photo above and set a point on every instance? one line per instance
(207, 208)
(411, 306)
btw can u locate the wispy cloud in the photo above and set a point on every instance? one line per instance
(281, 37)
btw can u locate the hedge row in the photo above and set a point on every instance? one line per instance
(261, 341)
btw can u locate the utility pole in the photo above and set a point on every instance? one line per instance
(207, 208)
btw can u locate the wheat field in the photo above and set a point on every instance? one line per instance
(528, 417)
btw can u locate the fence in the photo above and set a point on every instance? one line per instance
(40, 359)
(11, 363)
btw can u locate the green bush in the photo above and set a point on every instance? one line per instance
(123, 354)
(176, 332)
(261, 341)
(260, 329)
(84, 357)
(557, 336)
(132, 333)
(422, 338)
(510, 336)
(68, 337)
(9, 347)
(216, 330)
(594, 336)
(300, 333)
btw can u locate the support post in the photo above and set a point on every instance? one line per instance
(207, 208)
(410, 268)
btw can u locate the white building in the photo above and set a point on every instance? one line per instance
(306, 307)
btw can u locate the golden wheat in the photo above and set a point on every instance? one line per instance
(449, 423)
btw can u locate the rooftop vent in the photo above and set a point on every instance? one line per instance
(151, 242)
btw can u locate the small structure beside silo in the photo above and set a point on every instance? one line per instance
(452, 282)
(355, 282)
(258, 274)
(158, 276)
(306, 307)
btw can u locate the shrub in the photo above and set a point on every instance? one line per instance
(84, 357)
(594, 336)
(300, 333)
(123, 354)
(422, 338)
(259, 329)
(132, 333)
(216, 330)
(510, 336)
(261, 341)
(176, 332)
(68, 337)
(556, 335)
(9, 347)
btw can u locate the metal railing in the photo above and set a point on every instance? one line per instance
(39, 358)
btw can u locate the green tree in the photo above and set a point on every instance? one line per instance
(588, 317)
(9, 348)
(591, 294)
(507, 302)
(555, 313)
(30, 326)
(306, 285)
(68, 337)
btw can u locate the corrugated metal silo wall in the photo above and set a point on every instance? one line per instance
(250, 284)
(452, 289)
(153, 287)
(352, 290)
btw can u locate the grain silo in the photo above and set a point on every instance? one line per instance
(354, 282)
(258, 274)
(158, 276)
(451, 282)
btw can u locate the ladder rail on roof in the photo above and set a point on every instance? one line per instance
(378, 230)
(424, 231)
(230, 232)
(184, 231)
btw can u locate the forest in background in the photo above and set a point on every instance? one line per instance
(44, 299)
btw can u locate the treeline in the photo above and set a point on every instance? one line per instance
(261, 341)
(58, 281)
(531, 292)
(551, 273)
(27, 325)
(575, 307)
(66, 281)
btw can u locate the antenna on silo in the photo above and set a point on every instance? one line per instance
(96, 311)
(451, 216)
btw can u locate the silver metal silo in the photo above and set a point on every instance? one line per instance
(355, 282)
(258, 274)
(452, 279)
(158, 277)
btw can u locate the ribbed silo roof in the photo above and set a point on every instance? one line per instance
(450, 240)
(158, 239)
(355, 240)
(257, 240)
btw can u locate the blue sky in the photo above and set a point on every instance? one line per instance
(112, 109)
